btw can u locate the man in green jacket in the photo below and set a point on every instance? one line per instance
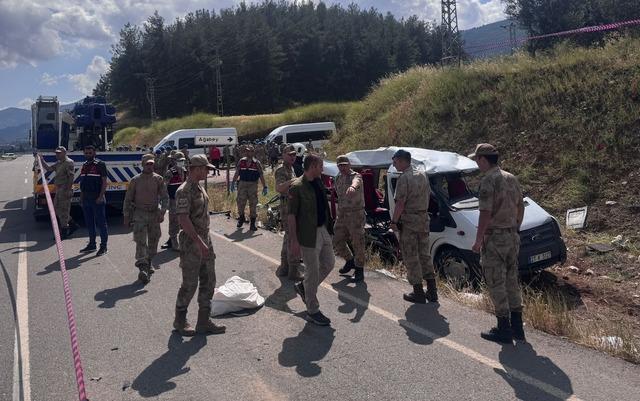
(311, 229)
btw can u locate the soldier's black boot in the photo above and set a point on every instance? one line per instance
(167, 245)
(517, 327)
(432, 290)
(240, 221)
(501, 333)
(181, 324)
(417, 296)
(253, 224)
(358, 275)
(350, 265)
(205, 325)
(143, 275)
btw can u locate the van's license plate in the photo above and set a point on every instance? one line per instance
(540, 257)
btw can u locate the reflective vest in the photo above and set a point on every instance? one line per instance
(174, 182)
(248, 170)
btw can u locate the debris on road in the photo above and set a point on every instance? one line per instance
(611, 203)
(577, 218)
(574, 269)
(620, 242)
(589, 272)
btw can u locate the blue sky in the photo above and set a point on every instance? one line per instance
(61, 47)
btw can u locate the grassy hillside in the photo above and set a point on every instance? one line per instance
(249, 127)
(568, 123)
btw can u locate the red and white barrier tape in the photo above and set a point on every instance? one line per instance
(71, 318)
(589, 29)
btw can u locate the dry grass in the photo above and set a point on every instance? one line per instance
(552, 313)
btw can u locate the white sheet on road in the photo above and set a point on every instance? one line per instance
(235, 295)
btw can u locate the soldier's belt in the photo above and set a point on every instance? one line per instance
(147, 208)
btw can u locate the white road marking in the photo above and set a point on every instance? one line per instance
(24, 203)
(21, 369)
(26, 181)
(492, 363)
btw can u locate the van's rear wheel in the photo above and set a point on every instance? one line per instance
(457, 267)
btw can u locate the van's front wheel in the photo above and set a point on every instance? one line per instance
(460, 268)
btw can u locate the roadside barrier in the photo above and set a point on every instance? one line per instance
(589, 29)
(71, 318)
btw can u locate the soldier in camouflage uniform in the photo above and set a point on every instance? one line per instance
(350, 219)
(248, 172)
(173, 178)
(197, 258)
(411, 220)
(501, 213)
(145, 192)
(289, 263)
(64, 189)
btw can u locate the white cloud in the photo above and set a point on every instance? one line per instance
(32, 31)
(48, 80)
(85, 82)
(25, 103)
(471, 13)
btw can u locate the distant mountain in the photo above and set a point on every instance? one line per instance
(478, 41)
(14, 116)
(13, 134)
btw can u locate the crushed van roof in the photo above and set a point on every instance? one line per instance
(430, 161)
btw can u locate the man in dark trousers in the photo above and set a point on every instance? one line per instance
(93, 186)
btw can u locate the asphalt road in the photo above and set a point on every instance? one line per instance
(378, 348)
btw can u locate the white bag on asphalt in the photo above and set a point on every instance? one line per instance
(235, 295)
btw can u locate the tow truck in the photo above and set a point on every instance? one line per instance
(91, 121)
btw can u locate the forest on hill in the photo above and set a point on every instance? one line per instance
(272, 56)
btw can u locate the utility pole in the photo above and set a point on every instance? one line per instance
(513, 40)
(151, 96)
(450, 35)
(218, 65)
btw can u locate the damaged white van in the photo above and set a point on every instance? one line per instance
(453, 210)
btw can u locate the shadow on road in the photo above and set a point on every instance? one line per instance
(523, 359)
(424, 323)
(307, 348)
(281, 296)
(156, 378)
(239, 235)
(71, 263)
(110, 296)
(164, 256)
(347, 293)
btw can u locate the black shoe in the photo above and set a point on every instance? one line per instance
(501, 333)
(240, 221)
(167, 244)
(101, 251)
(64, 233)
(417, 296)
(299, 287)
(72, 227)
(358, 276)
(89, 248)
(517, 327)
(144, 277)
(432, 290)
(350, 265)
(318, 318)
(253, 224)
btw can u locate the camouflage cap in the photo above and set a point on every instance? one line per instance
(148, 158)
(289, 149)
(484, 149)
(200, 161)
(178, 156)
(342, 159)
(61, 149)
